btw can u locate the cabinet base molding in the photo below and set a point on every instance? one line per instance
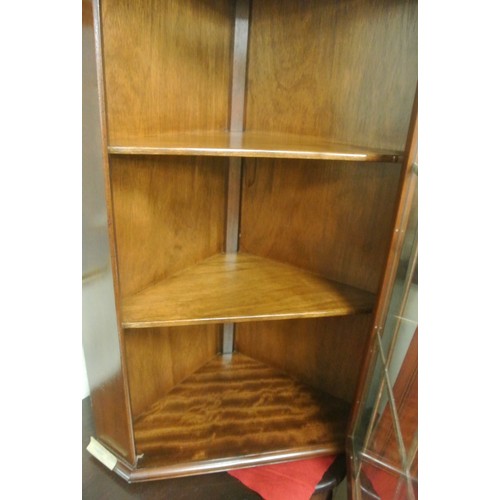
(141, 474)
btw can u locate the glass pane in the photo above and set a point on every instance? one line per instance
(374, 394)
(404, 294)
(385, 434)
(384, 484)
(405, 390)
(404, 334)
(382, 440)
(414, 468)
(379, 483)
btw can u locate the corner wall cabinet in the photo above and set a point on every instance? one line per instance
(254, 158)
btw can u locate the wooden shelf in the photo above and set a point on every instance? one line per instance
(237, 288)
(239, 411)
(250, 144)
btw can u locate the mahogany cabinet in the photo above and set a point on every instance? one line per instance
(256, 153)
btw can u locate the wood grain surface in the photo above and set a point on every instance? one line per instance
(249, 144)
(160, 358)
(332, 218)
(344, 70)
(100, 483)
(237, 408)
(240, 287)
(322, 80)
(168, 65)
(169, 215)
(103, 340)
(325, 353)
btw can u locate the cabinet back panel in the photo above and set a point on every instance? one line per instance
(325, 353)
(331, 218)
(344, 70)
(169, 214)
(167, 65)
(160, 358)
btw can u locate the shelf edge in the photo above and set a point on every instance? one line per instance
(255, 153)
(246, 319)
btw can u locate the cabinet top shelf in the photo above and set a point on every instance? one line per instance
(249, 144)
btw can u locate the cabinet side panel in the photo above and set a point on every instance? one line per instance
(345, 70)
(167, 65)
(160, 358)
(332, 218)
(101, 333)
(169, 215)
(104, 369)
(325, 353)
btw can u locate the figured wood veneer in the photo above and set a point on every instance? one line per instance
(236, 408)
(240, 287)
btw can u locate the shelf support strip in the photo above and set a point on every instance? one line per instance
(240, 50)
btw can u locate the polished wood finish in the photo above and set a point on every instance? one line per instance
(109, 402)
(309, 102)
(241, 411)
(103, 344)
(241, 287)
(158, 359)
(320, 216)
(325, 353)
(249, 144)
(169, 215)
(168, 65)
(344, 71)
(100, 483)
